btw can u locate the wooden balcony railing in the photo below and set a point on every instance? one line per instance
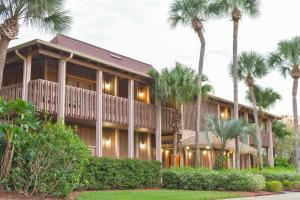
(115, 109)
(81, 103)
(44, 95)
(144, 115)
(11, 92)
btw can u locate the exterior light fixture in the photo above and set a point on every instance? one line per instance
(141, 95)
(167, 151)
(187, 148)
(207, 147)
(190, 154)
(204, 153)
(107, 142)
(142, 146)
(107, 86)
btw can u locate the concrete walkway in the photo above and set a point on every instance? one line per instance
(286, 196)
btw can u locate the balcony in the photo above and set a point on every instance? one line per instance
(81, 103)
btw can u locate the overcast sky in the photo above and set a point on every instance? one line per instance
(139, 29)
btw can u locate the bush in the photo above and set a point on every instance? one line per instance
(106, 173)
(50, 161)
(198, 179)
(287, 185)
(296, 185)
(274, 186)
(277, 174)
(282, 162)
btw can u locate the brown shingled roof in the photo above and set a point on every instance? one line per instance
(100, 53)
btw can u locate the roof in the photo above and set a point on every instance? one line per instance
(219, 99)
(210, 140)
(103, 54)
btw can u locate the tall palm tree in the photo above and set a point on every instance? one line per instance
(193, 13)
(265, 98)
(251, 66)
(235, 9)
(225, 131)
(287, 59)
(46, 15)
(176, 87)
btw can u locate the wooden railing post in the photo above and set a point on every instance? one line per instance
(99, 94)
(131, 119)
(158, 130)
(271, 146)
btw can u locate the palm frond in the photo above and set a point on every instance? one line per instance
(252, 64)
(265, 97)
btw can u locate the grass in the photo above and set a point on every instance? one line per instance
(157, 195)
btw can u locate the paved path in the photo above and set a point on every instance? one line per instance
(287, 196)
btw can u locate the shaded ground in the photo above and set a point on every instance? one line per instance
(15, 196)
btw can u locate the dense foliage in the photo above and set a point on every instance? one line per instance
(281, 129)
(201, 179)
(277, 174)
(106, 173)
(49, 161)
(274, 186)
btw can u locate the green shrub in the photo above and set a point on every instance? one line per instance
(50, 161)
(106, 173)
(274, 186)
(287, 185)
(296, 185)
(282, 162)
(198, 179)
(277, 174)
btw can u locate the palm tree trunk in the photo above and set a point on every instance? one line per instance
(4, 42)
(6, 161)
(198, 110)
(296, 130)
(257, 126)
(235, 89)
(176, 126)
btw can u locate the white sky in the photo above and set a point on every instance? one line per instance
(139, 29)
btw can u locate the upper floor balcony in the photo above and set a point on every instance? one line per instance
(81, 103)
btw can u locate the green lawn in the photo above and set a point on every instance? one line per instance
(156, 195)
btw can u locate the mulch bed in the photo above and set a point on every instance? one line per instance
(261, 193)
(16, 196)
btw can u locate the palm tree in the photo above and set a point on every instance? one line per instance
(176, 87)
(235, 9)
(193, 13)
(225, 131)
(251, 66)
(287, 59)
(265, 98)
(44, 14)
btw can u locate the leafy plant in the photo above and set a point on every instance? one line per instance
(281, 129)
(17, 117)
(225, 131)
(49, 161)
(274, 186)
(288, 185)
(296, 186)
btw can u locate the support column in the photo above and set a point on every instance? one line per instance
(99, 94)
(26, 73)
(117, 136)
(271, 146)
(137, 145)
(158, 131)
(62, 89)
(130, 118)
(149, 149)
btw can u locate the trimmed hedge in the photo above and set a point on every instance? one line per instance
(296, 186)
(277, 174)
(287, 185)
(274, 186)
(198, 179)
(106, 173)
